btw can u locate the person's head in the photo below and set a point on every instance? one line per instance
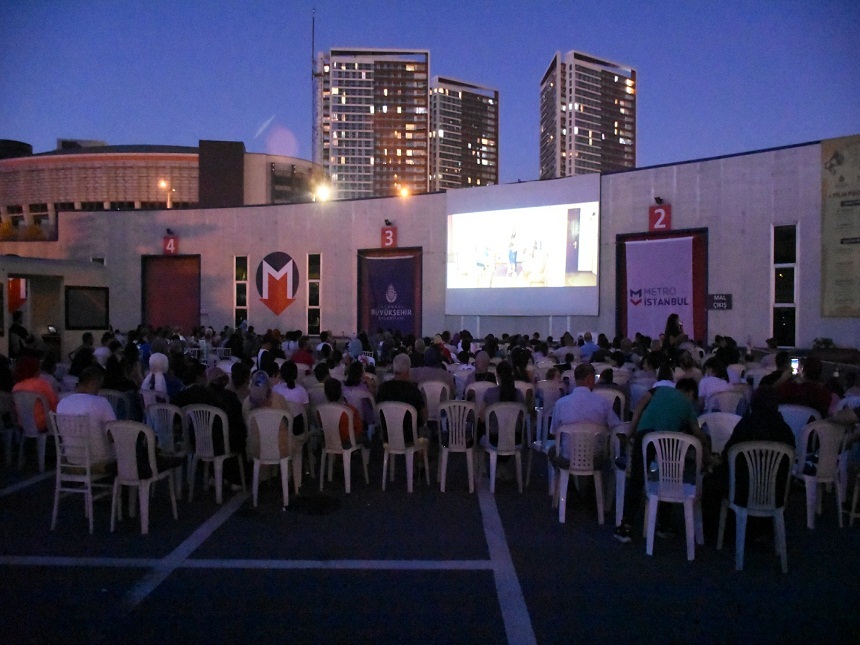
(772, 343)
(90, 380)
(583, 374)
(666, 373)
(587, 337)
(607, 376)
(689, 387)
(240, 375)
(333, 390)
(217, 378)
(26, 367)
(812, 368)
(321, 372)
(260, 390)
(482, 362)
(552, 374)
(715, 367)
(401, 365)
(354, 374)
(432, 357)
(159, 363)
(782, 360)
(49, 363)
(764, 400)
(289, 373)
(618, 358)
(87, 339)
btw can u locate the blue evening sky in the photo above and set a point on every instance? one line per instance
(714, 77)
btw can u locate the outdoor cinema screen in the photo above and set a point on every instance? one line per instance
(524, 249)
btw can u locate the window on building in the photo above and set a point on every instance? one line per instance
(314, 274)
(785, 285)
(240, 289)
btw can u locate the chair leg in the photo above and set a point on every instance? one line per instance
(779, 536)
(425, 454)
(529, 466)
(854, 500)
(740, 537)
(690, 529)
(297, 471)
(241, 471)
(114, 505)
(56, 501)
(470, 468)
(620, 486)
(811, 500)
(191, 476)
(88, 504)
(493, 458)
(724, 507)
(385, 457)
(563, 481)
(322, 471)
(518, 463)
(41, 445)
(651, 519)
(255, 482)
(285, 480)
(219, 481)
(143, 494)
(698, 522)
(365, 460)
(172, 497)
(347, 469)
(443, 468)
(598, 493)
(840, 495)
(410, 469)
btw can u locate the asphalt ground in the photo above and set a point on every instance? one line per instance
(395, 567)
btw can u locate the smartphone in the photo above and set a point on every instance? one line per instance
(795, 364)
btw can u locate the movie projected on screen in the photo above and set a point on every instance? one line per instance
(524, 249)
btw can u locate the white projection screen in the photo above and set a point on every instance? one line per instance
(524, 249)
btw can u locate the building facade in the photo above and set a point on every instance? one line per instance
(371, 121)
(35, 187)
(587, 116)
(464, 134)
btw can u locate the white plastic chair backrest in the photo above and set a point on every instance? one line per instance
(621, 430)
(329, 416)
(550, 391)
(391, 415)
(153, 396)
(736, 372)
(25, 409)
(316, 394)
(719, 427)
(528, 390)
(267, 423)
(476, 391)
(435, 393)
(620, 376)
(299, 413)
(569, 381)
(125, 435)
(798, 417)
(72, 435)
(671, 450)
(509, 417)
(852, 402)
(458, 419)
(763, 459)
(118, 401)
(616, 399)
(756, 375)
(582, 437)
(726, 401)
(201, 420)
(362, 401)
(823, 438)
(161, 417)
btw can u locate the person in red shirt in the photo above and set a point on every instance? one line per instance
(27, 373)
(806, 389)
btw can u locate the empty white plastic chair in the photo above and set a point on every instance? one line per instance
(458, 426)
(719, 427)
(618, 400)
(762, 460)
(731, 401)
(671, 449)
(165, 419)
(798, 417)
(201, 420)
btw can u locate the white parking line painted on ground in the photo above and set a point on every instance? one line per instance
(61, 561)
(376, 565)
(169, 564)
(14, 488)
(518, 624)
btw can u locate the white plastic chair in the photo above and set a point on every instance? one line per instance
(719, 427)
(329, 416)
(475, 392)
(671, 450)
(458, 427)
(798, 417)
(507, 417)
(618, 400)
(201, 420)
(820, 444)
(730, 401)
(74, 467)
(149, 397)
(25, 410)
(120, 403)
(392, 415)
(163, 419)
(581, 440)
(364, 402)
(736, 372)
(435, 393)
(267, 423)
(762, 459)
(125, 438)
(755, 375)
(621, 447)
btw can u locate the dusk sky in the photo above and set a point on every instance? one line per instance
(714, 78)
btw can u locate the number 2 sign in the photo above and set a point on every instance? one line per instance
(660, 218)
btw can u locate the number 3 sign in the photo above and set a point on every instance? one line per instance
(389, 237)
(660, 218)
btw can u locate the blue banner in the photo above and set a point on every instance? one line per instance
(389, 284)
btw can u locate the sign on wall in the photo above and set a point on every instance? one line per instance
(389, 290)
(277, 281)
(719, 301)
(660, 218)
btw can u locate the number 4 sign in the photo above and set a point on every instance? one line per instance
(660, 218)
(170, 245)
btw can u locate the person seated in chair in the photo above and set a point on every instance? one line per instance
(86, 401)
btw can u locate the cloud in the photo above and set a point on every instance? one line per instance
(265, 125)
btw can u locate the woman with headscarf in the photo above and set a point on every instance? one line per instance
(159, 378)
(261, 395)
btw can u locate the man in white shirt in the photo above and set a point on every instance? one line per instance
(583, 405)
(85, 401)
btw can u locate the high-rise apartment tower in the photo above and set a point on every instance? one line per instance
(464, 134)
(587, 116)
(371, 120)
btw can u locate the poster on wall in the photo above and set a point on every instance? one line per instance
(389, 290)
(277, 281)
(840, 227)
(659, 283)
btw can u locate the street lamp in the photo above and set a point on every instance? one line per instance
(165, 186)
